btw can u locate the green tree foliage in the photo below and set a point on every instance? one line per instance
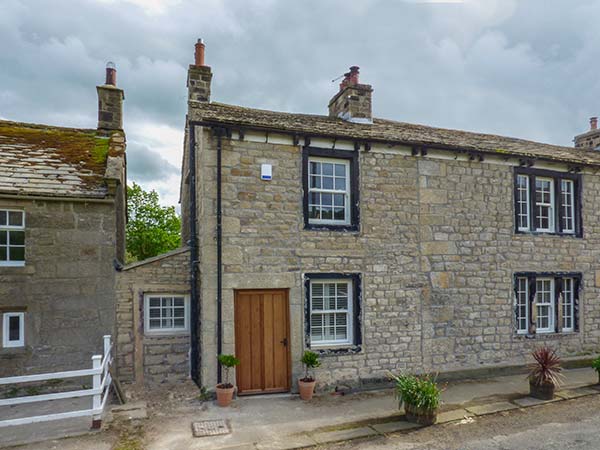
(152, 229)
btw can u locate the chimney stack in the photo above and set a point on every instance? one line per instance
(353, 101)
(199, 76)
(590, 139)
(110, 102)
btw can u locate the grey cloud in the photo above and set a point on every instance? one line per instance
(521, 68)
(145, 165)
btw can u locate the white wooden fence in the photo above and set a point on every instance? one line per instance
(101, 381)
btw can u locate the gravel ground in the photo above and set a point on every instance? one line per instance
(572, 424)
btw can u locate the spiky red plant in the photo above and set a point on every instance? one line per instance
(546, 368)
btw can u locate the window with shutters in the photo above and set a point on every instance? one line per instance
(546, 302)
(547, 202)
(330, 184)
(332, 310)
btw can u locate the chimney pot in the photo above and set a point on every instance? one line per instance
(593, 123)
(199, 53)
(111, 74)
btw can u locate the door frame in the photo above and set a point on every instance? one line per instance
(286, 292)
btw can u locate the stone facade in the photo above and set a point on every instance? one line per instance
(436, 252)
(141, 357)
(66, 287)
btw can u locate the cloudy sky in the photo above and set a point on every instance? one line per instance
(525, 68)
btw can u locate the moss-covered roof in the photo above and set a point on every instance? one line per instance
(382, 130)
(55, 161)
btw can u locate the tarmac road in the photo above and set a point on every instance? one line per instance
(572, 424)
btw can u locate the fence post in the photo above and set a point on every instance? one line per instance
(97, 398)
(107, 345)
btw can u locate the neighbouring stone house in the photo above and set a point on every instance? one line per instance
(62, 218)
(382, 245)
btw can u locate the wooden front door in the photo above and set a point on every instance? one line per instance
(262, 341)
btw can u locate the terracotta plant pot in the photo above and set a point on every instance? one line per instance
(543, 391)
(224, 395)
(307, 389)
(420, 416)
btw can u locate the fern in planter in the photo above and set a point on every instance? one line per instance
(420, 396)
(310, 361)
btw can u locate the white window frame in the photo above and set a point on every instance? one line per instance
(346, 192)
(349, 311)
(570, 196)
(520, 202)
(519, 304)
(550, 205)
(551, 319)
(171, 330)
(5, 229)
(6, 342)
(568, 302)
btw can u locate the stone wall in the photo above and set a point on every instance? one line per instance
(143, 358)
(66, 288)
(436, 251)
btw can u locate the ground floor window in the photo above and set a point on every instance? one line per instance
(546, 302)
(166, 313)
(13, 329)
(332, 310)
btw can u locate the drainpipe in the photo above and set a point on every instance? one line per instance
(194, 303)
(219, 133)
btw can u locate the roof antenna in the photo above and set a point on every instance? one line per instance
(335, 79)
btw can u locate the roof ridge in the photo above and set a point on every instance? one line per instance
(45, 126)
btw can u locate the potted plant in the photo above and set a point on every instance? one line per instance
(545, 373)
(420, 396)
(306, 385)
(225, 390)
(596, 366)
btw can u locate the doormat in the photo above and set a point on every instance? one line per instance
(210, 428)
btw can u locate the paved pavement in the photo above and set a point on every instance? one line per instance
(280, 422)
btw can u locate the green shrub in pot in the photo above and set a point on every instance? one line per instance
(420, 396)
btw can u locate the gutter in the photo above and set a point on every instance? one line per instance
(107, 201)
(195, 307)
(218, 132)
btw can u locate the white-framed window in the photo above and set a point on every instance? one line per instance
(328, 191)
(13, 329)
(568, 305)
(544, 303)
(567, 188)
(166, 313)
(331, 319)
(12, 237)
(544, 204)
(522, 308)
(523, 202)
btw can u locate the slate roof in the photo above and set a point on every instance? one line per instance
(382, 130)
(54, 161)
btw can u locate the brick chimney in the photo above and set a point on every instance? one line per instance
(110, 101)
(591, 138)
(353, 101)
(199, 76)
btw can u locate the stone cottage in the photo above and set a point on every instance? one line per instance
(382, 245)
(62, 218)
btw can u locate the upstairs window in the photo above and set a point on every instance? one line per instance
(546, 303)
(12, 238)
(547, 202)
(330, 189)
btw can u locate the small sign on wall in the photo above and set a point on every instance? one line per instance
(266, 172)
